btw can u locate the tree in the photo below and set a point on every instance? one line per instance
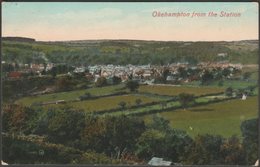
(218, 74)
(122, 104)
(41, 123)
(163, 104)
(94, 158)
(150, 143)
(86, 96)
(220, 83)
(226, 72)
(165, 73)
(112, 135)
(63, 68)
(45, 66)
(169, 143)
(122, 133)
(206, 78)
(250, 90)
(192, 60)
(101, 81)
(159, 123)
(239, 93)
(182, 72)
(18, 119)
(229, 92)
(233, 152)
(54, 72)
(205, 150)
(177, 145)
(65, 126)
(247, 75)
(138, 102)
(64, 84)
(250, 130)
(132, 85)
(116, 80)
(159, 79)
(7, 67)
(185, 99)
(92, 136)
(27, 150)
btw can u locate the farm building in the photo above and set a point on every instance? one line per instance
(14, 74)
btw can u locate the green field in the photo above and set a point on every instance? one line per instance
(106, 102)
(154, 89)
(159, 106)
(227, 83)
(236, 84)
(176, 90)
(220, 118)
(71, 95)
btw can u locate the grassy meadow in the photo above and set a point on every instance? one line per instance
(176, 90)
(220, 118)
(107, 103)
(71, 95)
(223, 118)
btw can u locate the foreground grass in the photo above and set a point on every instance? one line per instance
(220, 118)
(176, 90)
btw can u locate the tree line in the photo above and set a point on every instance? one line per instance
(119, 139)
(124, 52)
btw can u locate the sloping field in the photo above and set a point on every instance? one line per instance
(176, 90)
(220, 118)
(71, 95)
(107, 103)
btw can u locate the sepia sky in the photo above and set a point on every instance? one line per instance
(52, 21)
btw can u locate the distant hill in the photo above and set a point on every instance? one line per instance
(90, 52)
(18, 39)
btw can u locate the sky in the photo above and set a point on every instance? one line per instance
(53, 21)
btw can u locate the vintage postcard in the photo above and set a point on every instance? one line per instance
(133, 83)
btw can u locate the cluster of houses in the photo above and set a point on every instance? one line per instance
(148, 73)
(142, 73)
(19, 70)
(123, 72)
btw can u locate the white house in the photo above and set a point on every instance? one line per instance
(3, 163)
(244, 97)
(257, 163)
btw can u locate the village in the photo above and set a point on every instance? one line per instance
(181, 72)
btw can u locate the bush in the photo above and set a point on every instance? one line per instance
(122, 104)
(185, 99)
(85, 96)
(250, 131)
(132, 85)
(18, 119)
(229, 92)
(65, 125)
(138, 102)
(64, 84)
(112, 135)
(102, 81)
(205, 150)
